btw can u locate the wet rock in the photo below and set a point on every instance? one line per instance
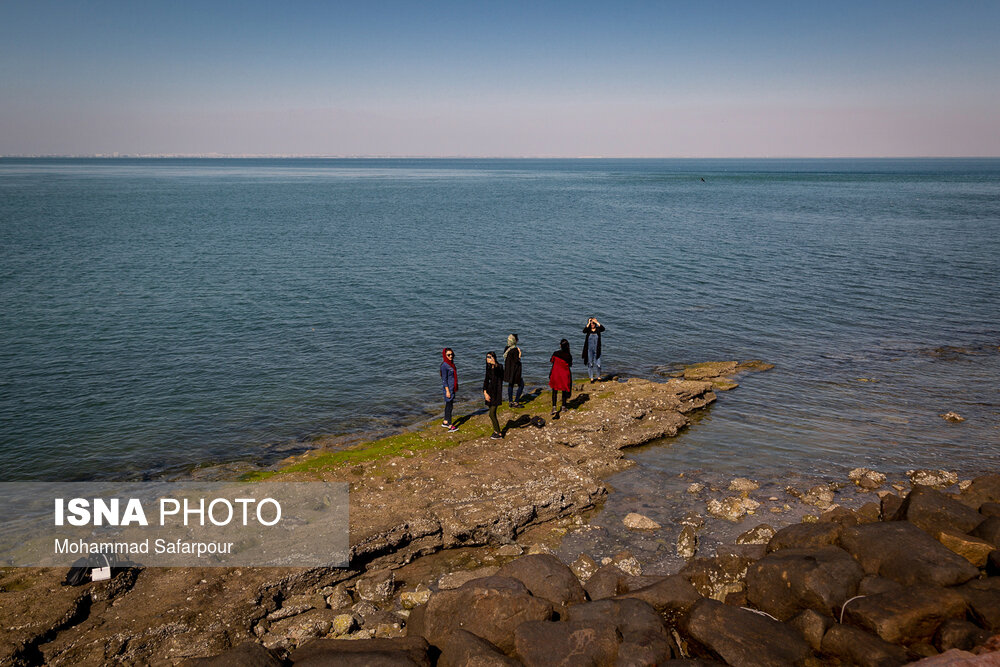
(634, 521)
(761, 534)
(743, 485)
(731, 509)
(984, 489)
(900, 551)
(627, 563)
(490, 608)
(607, 582)
(372, 652)
(696, 487)
(741, 637)
(411, 599)
(295, 630)
(889, 505)
(953, 417)
(838, 514)
(454, 580)
(687, 542)
(716, 577)
(509, 550)
(812, 626)
(972, 549)
(584, 567)
(866, 478)
(869, 513)
(376, 587)
(644, 639)
(820, 496)
(983, 599)
(748, 551)
(692, 519)
(805, 536)
(908, 616)
(857, 647)
(671, 596)
(988, 530)
(247, 654)
(464, 649)
(959, 633)
(939, 479)
(546, 577)
(709, 369)
(789, 581)
(933, 511)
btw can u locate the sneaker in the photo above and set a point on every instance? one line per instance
(496, 436)
(555, 415)
(445, 425)
(452, 428)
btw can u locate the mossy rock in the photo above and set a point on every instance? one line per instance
(709, 369)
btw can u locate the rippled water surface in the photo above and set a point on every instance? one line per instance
(160, 313)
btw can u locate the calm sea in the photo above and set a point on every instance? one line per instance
(158, 314)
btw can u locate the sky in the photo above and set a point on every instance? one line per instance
(501, 79)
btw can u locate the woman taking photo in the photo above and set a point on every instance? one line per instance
(493, 391)
(512, 371)
(592, 348)
(560, 377)
(449, 386)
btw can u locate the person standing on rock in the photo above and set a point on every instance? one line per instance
(449, 386)
(592, 348)
(512, 371)
(493, 391)
(560, 377)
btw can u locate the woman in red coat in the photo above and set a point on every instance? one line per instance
(560, 377)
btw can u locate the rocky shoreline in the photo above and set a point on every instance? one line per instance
(431, 512)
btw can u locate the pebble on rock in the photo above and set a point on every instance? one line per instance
(635, 521)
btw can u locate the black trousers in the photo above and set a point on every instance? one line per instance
(565, 397)
(510, 390)
(448, 405)
(493, 418)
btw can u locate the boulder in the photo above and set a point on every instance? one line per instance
(368, 653)
(411, 599)
(717, 577)
(376, 587)
(959, 633)
(872, 584)
(812, 626)
(988, 530)
(760, 534)
(462, 648)
(993, 564)
(983, 599)
(869, 513)
(856, 647)
(972, 549)
(635, 521)
(458, 579)
(867, 479)
(789, 581)
(687, 542)
(584, 567)
(939, 479)
(841, 515)
(566, 643)
(934, 511)
(988, 509)
(607, 582)
(671, 596)
(247, 654)
(740, 637)
(888, 505)
(627, 563)
(546, 577)
(805, 536)
(900, 551)
(985, 489)
(908, 616)
(490, 608)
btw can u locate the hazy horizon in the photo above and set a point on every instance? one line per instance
(543, 80)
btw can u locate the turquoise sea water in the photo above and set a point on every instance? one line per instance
(157, 314)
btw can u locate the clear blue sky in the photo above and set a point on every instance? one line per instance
(694, 78)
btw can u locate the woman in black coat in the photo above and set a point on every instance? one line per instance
(512, 371)
(493, 391)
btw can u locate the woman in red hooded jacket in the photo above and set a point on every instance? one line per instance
(560, 377)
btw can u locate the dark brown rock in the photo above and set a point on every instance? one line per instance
(741, 637)
(401, 652)
(812, 626)
(634, 620)
(900, 551)
(993, 564)
(906, 617)
(985, 489)
(841, 515)
(491, 608)
(959, 633)
(869, 512)
(857, 647)
(737, 599)
(934, 511)
(462, 648)
(805, 536)
(546, 577)
(607, 582)
(415, 621)
(889, 504)
(990, 509)
(566, 643)
(983, 599)
(717, 577)
(247, 654)
(789, 581)
(872, 584)
(670, 596)
(988, 530)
